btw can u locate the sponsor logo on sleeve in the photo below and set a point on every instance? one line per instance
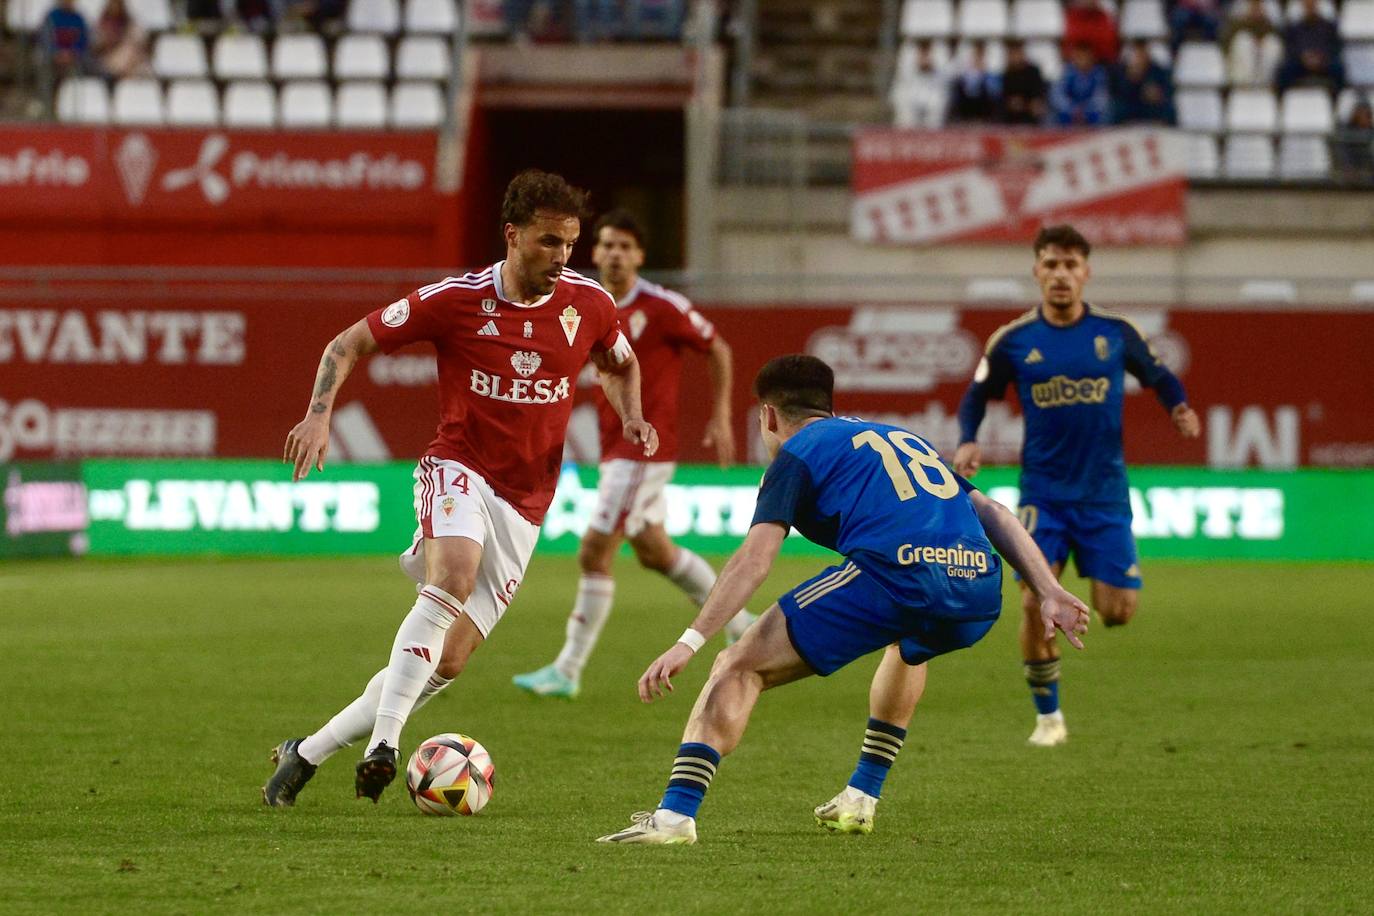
(396, 313)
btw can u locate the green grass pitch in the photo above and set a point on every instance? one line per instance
(1221, 758)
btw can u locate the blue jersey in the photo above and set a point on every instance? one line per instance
(1070, 382)
(882, 497)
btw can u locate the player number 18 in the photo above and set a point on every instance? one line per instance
(923, 458)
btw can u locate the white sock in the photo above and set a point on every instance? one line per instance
(695, 576)
(414, 658)
(666, 818)
(595, 593)
(355, 721)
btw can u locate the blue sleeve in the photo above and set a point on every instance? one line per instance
(990, 382)
(786, 491)
(1142, 362)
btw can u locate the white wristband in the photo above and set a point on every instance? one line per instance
(692, 639)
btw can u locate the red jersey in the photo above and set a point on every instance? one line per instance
(506, 372)
(661, 325)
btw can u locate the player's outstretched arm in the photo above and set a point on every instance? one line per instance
(719, 434)
(618, 371)
(1058, 607)
(741, 577)
(308, 441)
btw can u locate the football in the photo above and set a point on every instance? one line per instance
(450, 774)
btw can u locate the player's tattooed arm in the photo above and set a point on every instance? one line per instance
(308, 442)
(618, 370)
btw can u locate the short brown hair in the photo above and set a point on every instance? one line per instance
(798, 385)
(533, 190)
(1061, 236)
(620, 219)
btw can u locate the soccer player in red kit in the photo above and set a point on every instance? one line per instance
(510, 341)
(631, 503)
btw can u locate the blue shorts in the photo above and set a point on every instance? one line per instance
(843, 614)
(1100, 539)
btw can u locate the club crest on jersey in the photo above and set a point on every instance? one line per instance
(395, 314)
(488, 306)
(525, 362)
(1100, 347)
(637, 323)
(570, 321)
(447, 505)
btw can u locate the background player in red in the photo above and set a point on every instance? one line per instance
(511, 341)
(631, 503)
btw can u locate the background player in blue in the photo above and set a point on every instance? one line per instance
(919, 579)
(1068, 360)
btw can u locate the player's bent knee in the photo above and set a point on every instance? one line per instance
(459, 585)
(1116, 607)
(653, 559)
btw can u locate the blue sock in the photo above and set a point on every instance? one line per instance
(1043, 678)
(691, 777)
(882, 741)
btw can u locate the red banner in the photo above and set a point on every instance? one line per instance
(230, 379)
(1118, 187)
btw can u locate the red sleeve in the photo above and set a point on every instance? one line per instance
(689, 328)
(406, 321)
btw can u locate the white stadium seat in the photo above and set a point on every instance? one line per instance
(239, 57)
(1199, 109)
(374, 16)
(138, 101)
(907, 58)
(1304, 157)
(1199, 63)
(994, 55)
(1249, 156)
(25, 15)
(299, 56)
(1293, 11)
(361, 104)
(1346, 102)
(927, 19)
(361, 57)
(192, 103)
(306, 103)
(1204, 161)
(1037, 18)
(1357, 20)
(1307, 111)
(1359, 63)
(1143, 19)
(152, 15)
(1251, 110)
(422, 57)
(1046, 56)
(83, 100)
(431, 16)
(416, 105)
(982, 18)
(250, 103)
(179, 57)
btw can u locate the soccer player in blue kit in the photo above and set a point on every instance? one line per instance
(919, 578)
(1068, 360)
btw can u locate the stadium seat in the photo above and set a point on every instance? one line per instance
(919, 102)
(1046, 56)
(907, 57)
(192, 103)
(994, 54)
(179, 57)
(1143, 19)
(1251, 110)
(1304, 158)
(1037, 19)
(26, 15)
(138, 101)
(250, 103)
(927, 19)
(422, 57)
(1249, 156)
(374, 16)
(91, 9)
(83, 100)
(299, 56)
(485, 17)
(361, 57)
(431, 16)
(1199, 109)
(1357, 20)
(1346, 102)
(1362, 290)
(239, 57)
(306, 103)
(982, 18)
(1293, 11)
(361, 105)
(1359, 63)
(1199, 63)
(416, 105)
(152, 15)
(1203, 159)
(1306, 111)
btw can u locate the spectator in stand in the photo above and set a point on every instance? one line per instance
(1082, 95)
(1142, 90)
(1252, 44)
(1023, 87)
(66, 39)
(1353, 146)
(1193, 20)
(919, 97)
(319, 15)
(120, 44)
(1312, 52)
(975, 93)
(1087, 22)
